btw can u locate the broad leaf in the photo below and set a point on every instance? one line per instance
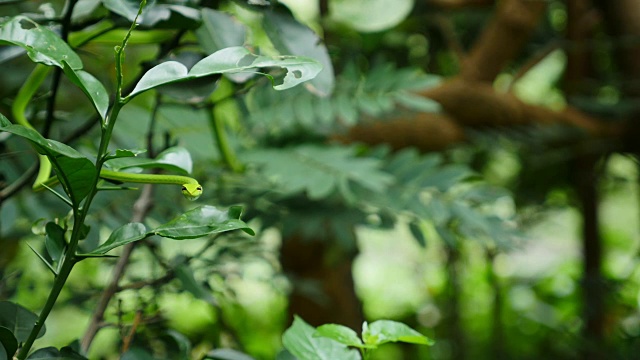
(189, 283)
(370, 15)
(137, 354)
(339, 333)
(202, 221)
(128, 8)
(291, 37)
(8, 343)
(229, 60)
(18, 319)
(44, 146)
(227, 354)
(51, 353)
(175, 159)
(122, 153)
(193, 91)
(91, 86)
(75, 172)
(42, 45)
(54, 241)
(384, 331)
(77, 176)
(183, 348)
(121, 236)
(299, 340)
(218, 31)
(165, 73)
(3, 352)
(156, 15)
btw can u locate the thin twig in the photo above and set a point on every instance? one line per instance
(126, 342)
(140, 209)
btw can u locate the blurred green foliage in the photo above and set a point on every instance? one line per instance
(479, 243)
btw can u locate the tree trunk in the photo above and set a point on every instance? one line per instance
(323, 290)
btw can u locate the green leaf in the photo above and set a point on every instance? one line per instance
(42, 45)
(175, 159)
(438, 211)
(121, 236)
(182, 342)
(165, 73)
(185, 274)
(370, 15)
(122, 153)
(340, 333)
(472, 223)
(417, 102)
(299, 340)
(227, 354)
(156, 15)
(137, 354)
(202, 221)
(75, 172)
(172, 16)
(8, 343)
(91, 86)
(418, 234)
(291, 37)
(193, 91)
(447, 176)
(285, 354)
(54, 241)
(447, 236)
(76, 175)
(384, 331)
(44, 146)
(127, 8)
(218, 31)
(45, 261)
(229, 60)
(51, 353)
(18, 319)
(318, 170)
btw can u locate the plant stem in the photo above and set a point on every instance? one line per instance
(220, 135)
(80, 212)
(58, 284)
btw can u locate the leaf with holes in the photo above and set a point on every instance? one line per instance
(42, 45)
(230, 60)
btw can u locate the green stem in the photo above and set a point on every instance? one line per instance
(80, 214)
(220, 135)
(58, 284)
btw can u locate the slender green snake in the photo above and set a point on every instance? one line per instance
(191, 189)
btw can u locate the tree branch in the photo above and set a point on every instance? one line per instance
(141, 207)
(502, 39)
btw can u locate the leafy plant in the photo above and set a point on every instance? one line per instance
(80, 177)
(332, 341)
